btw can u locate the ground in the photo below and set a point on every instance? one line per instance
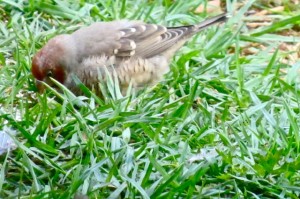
(223, 124)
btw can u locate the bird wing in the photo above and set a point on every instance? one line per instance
(125, 39)
(151, 39)
(133, 38)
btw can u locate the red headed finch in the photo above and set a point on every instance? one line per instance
(139, 53)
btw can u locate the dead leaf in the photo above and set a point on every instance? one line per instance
(210, 7)
(269, 11)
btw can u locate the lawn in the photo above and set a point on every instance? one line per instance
(224, 123)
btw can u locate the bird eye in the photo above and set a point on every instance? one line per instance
(49, 73)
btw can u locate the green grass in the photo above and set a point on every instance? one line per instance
(221, 125)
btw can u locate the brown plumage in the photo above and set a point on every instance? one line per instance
(139, 53)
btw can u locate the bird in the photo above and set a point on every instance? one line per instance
(135, 52)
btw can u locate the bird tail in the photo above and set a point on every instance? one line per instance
(210, 21)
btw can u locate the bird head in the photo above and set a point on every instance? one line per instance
(52, 61)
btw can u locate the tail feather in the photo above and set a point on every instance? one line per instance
(175, 37)
(193, 29)
(208, 22)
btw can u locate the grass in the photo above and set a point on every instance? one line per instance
(223, 123)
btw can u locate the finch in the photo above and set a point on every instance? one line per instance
(138, 52)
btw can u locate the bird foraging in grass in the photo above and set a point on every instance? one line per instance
(139, 53)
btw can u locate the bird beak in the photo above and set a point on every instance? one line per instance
(40, 86)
